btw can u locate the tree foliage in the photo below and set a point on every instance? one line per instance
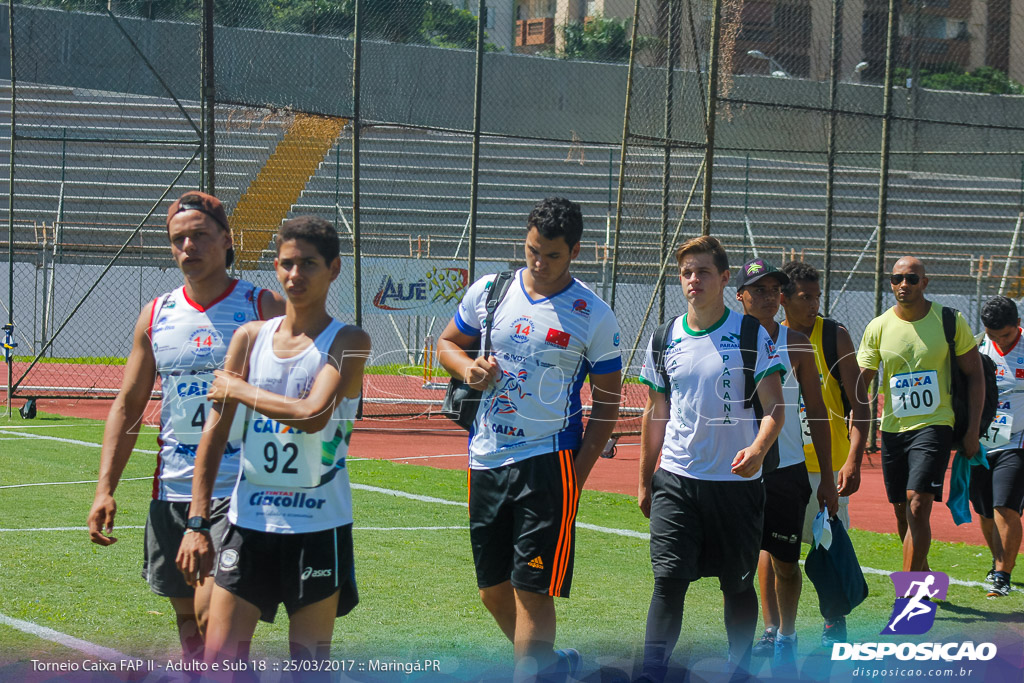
(984, 79)
(602, 39)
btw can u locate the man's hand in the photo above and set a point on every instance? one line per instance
(827, 494)
(482, 373)
(643, 498)
(848, 478)
(220, 390)
(101, 520)
(747, 462)
(195, 556)
(970, 446)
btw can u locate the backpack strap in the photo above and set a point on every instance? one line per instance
(659, 345)
(830, 350)
(494, 297)
(949, 329)
(749, 328)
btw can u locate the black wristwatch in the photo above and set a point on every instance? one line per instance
(197, 524)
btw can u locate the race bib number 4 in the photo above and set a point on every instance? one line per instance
(276, 455)
(189, 408)
(914, 393)
(998, 433)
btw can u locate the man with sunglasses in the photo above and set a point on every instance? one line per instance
(917, 418)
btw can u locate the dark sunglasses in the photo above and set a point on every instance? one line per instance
(912, 278)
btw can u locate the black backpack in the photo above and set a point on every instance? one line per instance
(748, 351)
(958, 384)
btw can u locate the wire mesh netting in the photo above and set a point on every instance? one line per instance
(427, 147)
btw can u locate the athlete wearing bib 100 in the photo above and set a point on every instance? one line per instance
(915, 361)
(189, 343)
(545, 348)
(293, 482)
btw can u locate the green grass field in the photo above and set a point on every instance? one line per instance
(417, 587)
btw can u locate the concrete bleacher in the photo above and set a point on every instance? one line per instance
(415, 184)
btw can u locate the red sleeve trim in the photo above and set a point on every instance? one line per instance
(259, 304)
(152, 314)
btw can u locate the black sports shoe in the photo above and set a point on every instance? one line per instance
(766, 646)
(833, 632)
(991, 574)
(1000, 585)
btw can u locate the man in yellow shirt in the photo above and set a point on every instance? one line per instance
(917, 417)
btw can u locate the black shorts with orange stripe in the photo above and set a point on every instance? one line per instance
(522, 523)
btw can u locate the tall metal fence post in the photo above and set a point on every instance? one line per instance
(10, 212)
(709, 151)
(357, 44)
(209, 98)
(666, 169)
(883, 179)
(622, 151)
(830, 156)
(481, 24)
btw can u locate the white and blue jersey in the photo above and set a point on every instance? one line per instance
(189, 342)
(545, 348)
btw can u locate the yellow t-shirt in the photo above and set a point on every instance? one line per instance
(833, 396)
(915, 367)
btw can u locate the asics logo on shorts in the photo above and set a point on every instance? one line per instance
(310, 573)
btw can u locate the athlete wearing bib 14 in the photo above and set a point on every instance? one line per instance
(917, 418)
(182, 337)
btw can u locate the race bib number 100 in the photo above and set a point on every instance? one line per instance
(914, 393)
(276, 455)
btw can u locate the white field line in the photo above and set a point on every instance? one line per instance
(66, 424)
(83, 646)
(583, 525)
(64, 483)
(74, 442)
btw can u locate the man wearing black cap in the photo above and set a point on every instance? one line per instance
(183, 336)
(788, 488)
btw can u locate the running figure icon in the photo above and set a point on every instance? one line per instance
(915, 606)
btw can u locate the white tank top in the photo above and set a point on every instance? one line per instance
(791, 438)
(291, 481)
(189, 343)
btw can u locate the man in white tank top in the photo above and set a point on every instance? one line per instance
(182, 336)
(299, 378)
(787, 489)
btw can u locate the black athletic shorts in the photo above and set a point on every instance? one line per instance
(1000, 486)
(706, 528)
(787, 492)
(522, 523)
(915, 461)
(165, 525)
(268, 569)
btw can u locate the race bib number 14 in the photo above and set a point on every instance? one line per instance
(914, 393)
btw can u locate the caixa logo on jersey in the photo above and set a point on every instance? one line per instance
(913, 613)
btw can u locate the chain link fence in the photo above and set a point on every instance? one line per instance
(426, 143)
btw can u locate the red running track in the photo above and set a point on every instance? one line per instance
(438, 443)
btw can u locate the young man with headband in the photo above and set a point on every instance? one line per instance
(182, 337)
(299, 379)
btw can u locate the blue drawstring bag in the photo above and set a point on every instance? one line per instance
(832, 567)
